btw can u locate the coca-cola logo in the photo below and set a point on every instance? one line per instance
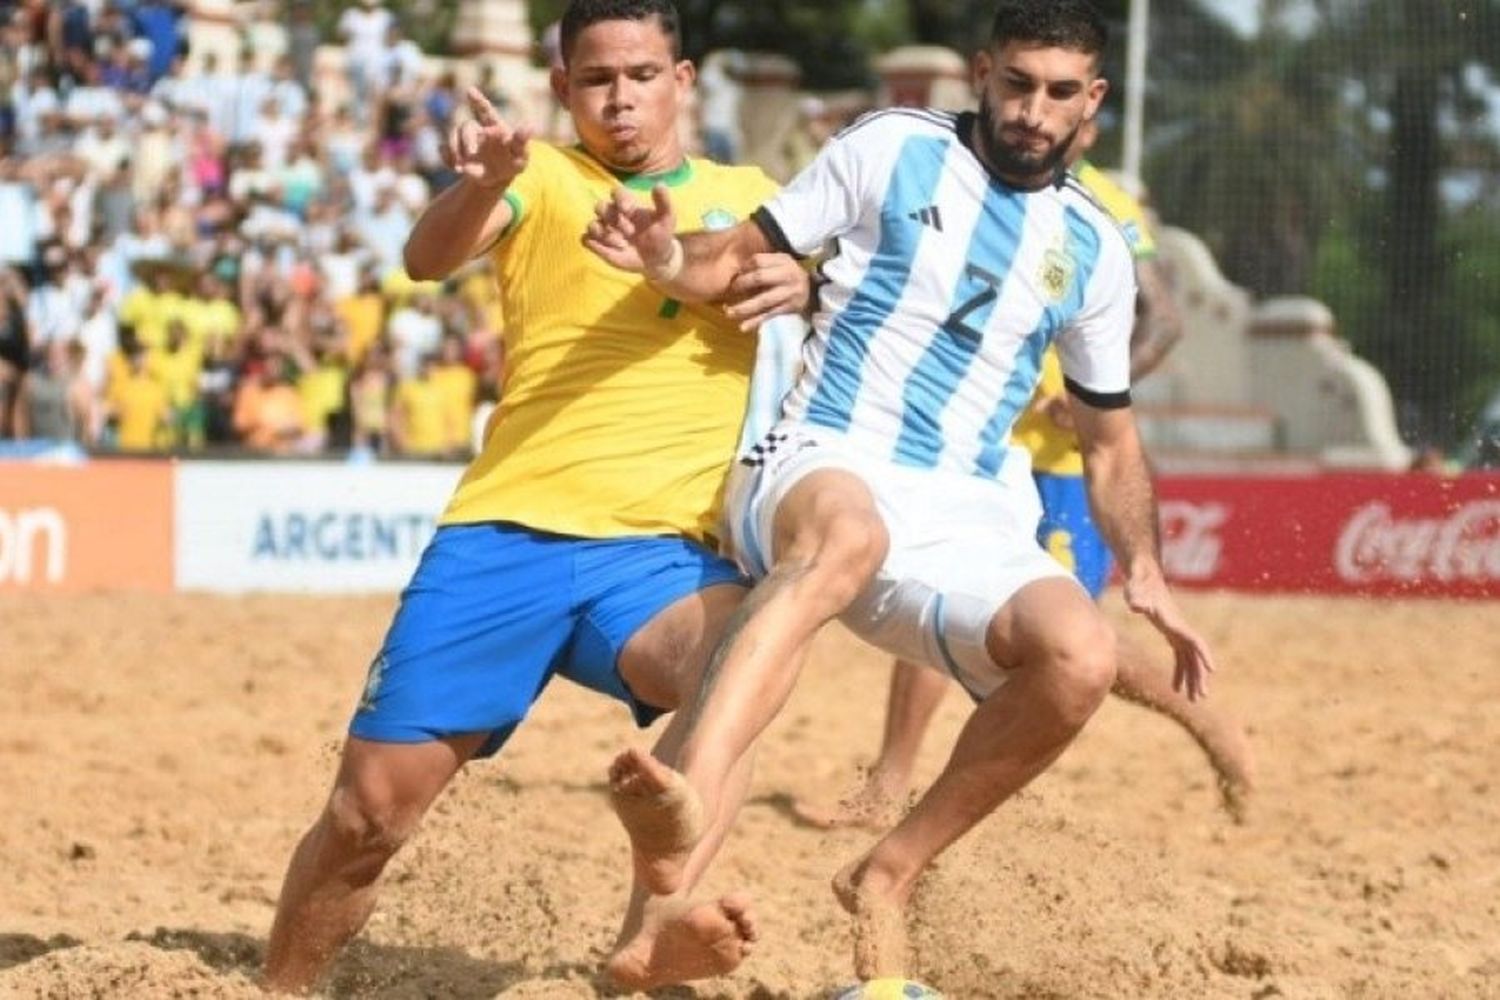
(1191, 546)
(1463, 546)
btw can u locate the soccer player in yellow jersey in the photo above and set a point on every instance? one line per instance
(580, 541)
(1068, 532)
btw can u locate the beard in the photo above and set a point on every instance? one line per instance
(1015, 163)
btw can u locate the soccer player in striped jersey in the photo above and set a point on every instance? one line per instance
(1068, 532)
(890, 494)
(580, 542)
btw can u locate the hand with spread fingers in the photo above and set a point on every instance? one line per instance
(770, 285)
(484, 149)
(631, 236)
(1150, 598)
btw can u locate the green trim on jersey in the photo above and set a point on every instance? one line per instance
(677, 176)
(517, 209)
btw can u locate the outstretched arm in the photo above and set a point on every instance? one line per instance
(470, 215)
(694, 267)
(1124, 506)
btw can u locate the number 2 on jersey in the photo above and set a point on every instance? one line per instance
(987, 294)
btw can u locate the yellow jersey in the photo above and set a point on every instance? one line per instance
(456, 385)
(151, 313)
(1124, 209)
(620, 408)
(1054, 449)
(141, 409)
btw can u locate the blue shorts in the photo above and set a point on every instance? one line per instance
(1067, 530)
(494, 610)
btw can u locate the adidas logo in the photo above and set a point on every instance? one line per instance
(928, 217)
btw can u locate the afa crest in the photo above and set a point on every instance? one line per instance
(718, 218)
(1057, 274)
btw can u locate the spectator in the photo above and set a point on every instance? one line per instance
(457, 387)
(47, 395)
(363, 313)
(323, 385)
(19, 208)
(268, 412)
(719, 95)
(50, 312)
(163, 27)
(369, 402)
(154, 303)
(138, 404)
(363, 30)
(156, 152)
(384, 228)
(85, 414)
(15, 355)
(302, 42)
(98, 338)
(415, 332)
(177, 366)
(420, 417)
(813, 128)
(287, 90)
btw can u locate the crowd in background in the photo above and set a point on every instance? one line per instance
(203, 258)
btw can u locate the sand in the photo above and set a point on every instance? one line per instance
(162, 755)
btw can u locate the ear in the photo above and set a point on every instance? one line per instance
(558, 78)
(980, 70)
(1098, 87)
(686, 73)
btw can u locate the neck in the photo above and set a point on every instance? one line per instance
(1025, 182)
(664, 160)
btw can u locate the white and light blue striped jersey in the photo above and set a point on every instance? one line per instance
(778, 362)
(946, 287)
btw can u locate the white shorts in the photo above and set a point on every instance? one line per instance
(960, 546)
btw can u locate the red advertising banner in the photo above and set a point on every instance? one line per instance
(1338, 533)
(100, 525)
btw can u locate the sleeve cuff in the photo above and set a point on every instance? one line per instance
(1099, 400)
(517, 209)
(773, 232)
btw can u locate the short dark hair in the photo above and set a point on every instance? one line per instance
(583, 13)
(1066, 24)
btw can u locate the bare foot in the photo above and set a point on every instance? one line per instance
(682, 941)
(874, 805)
(879, 924)
(661, 814)
(1233, 762)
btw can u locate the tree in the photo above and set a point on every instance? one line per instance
(1312, 157)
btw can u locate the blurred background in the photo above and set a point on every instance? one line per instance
(254, 167)
(204, 206)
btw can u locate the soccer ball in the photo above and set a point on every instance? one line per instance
(888, 989)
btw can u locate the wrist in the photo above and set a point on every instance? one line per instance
(666, 269)
(492, 187)
(1143, 571)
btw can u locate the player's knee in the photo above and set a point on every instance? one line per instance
(367, 824)
(1082, 666)
(842, 555)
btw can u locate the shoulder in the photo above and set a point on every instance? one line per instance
(745, 179)
(887, 122)
(550, 155)
(551, 167)
(1085, 207)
